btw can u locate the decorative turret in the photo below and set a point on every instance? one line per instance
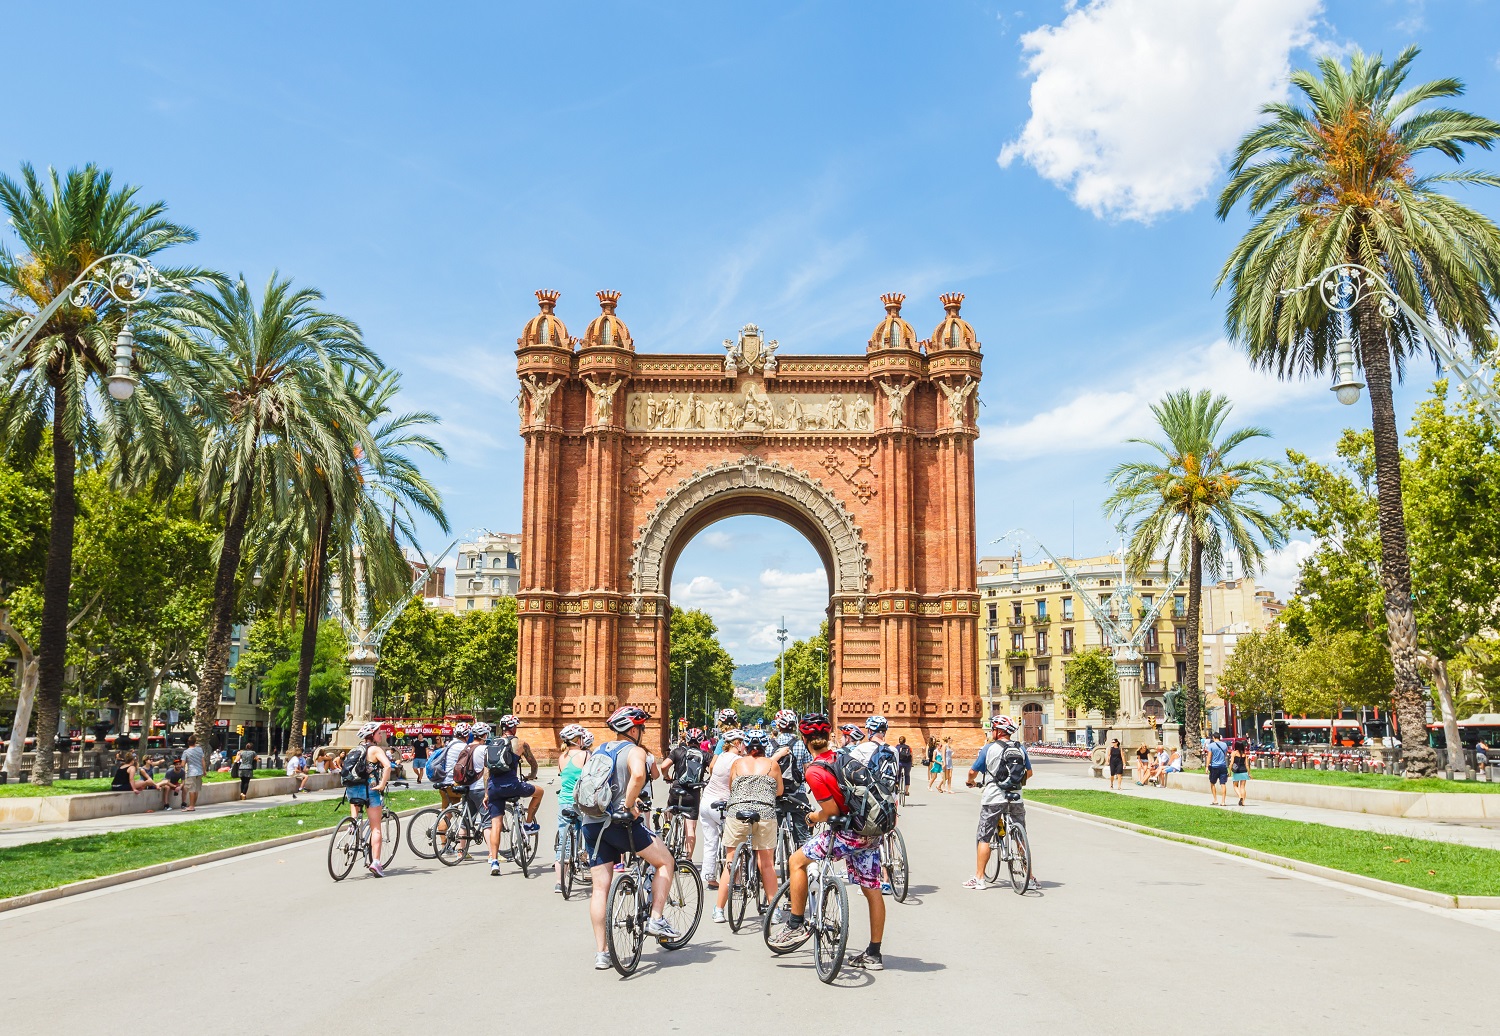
(954, 332)
(607, 330)
(546, 328)
(892, 332)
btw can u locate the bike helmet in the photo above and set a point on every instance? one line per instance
(368, 730)
(852, 735)
(480, 731)
(460, 730)
(509, 722)
(786, 719)
(588, 740)
(1004, 723)
(757, 740)
(877, 725)
(814, 724)
(731, 736)
(727, 717)
(694, 735)
(627, 718)
(571, 732)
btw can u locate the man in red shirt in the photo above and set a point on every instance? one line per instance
(860, 855)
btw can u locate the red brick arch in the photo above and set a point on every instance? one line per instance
(629, 455)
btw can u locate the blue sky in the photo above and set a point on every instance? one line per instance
(718, 164)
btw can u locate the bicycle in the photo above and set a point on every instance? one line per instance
(1010, 846)
(422, 832)
(521, 844)
(788, 808)
(351, 840)
(674, 830)
(629, 906)
(745, 881)
(574, 855)
(457, 828)
(895, 864)
(827, 920)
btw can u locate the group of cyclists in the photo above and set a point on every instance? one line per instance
(788, 786)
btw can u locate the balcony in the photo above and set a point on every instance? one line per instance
(1017, 620)
(1043, 652)
(1017, 653)
(1041, 620)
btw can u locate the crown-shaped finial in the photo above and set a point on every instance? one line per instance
(547, 299)
(892, 301)
(607, 300)
(952, 300)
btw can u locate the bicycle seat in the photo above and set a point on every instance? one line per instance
(570, 814)
(721, 805)
(749, 816)
(1013, 796)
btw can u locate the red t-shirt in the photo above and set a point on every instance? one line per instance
(821, 783)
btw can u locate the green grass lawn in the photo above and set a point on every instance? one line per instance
(13, 790)
(59, 861)
(1458, 870)
(1375, 781)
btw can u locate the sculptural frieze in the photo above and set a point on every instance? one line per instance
(750, 410)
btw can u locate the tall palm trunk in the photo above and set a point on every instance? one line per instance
(52, 643)
(1192, 714)
(1395, 564)
(313, 589)
(221, 619)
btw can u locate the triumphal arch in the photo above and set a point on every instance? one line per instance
(629, 455)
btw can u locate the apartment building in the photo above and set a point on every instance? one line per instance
(487, 569)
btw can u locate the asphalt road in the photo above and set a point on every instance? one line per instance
(1130, 932)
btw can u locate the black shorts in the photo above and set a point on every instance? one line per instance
(609, 843)
(1218, 775)
(688, 798)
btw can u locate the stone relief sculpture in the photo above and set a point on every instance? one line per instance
(958, 399)
(753, 409)
(896, 399)
(604, 399)
(541, 397)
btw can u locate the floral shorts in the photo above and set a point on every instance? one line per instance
(861, 857)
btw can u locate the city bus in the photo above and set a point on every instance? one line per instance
(1296, 733)
(1484, 726)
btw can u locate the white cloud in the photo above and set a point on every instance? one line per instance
(1100, 417)
(1134, 103)
(1284, 567)
(748, 615)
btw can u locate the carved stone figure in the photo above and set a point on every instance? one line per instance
(833, 413)
(633, 412)
(541, 397)
(604, 399)
(958, 399)
(694, 411)
(896, 400)
(716, 414)
(653, 412)
(860, 414)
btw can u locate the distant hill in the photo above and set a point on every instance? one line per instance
(754, 676)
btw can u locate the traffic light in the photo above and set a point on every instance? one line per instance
(240, 730)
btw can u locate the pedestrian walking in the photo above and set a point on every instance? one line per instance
(419, 757)
(244, 764)
(1218, 771)
(947, 784)
(934, 762)
(1239, 771)
(1116, 765)
(192, 780)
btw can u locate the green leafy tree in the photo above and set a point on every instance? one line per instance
(1090, 682)
(1339, 582)
(694, 638)
(414, 673)
(328, 696)
(63, 225)
(806, 675)
(1198, 504)
(1252, 675)
(1347, 669)
(1335, 180)
(276, 377)
(483, 646)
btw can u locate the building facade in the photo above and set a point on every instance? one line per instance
(487, 569)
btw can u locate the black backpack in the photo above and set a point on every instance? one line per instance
(791, 769)
(354, 771)
(1007, 767)
(499, 754)
(692, 769)
(869, 797)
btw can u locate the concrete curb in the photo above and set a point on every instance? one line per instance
(1389, 888)
(105, 881)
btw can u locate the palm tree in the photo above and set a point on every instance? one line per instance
(285, 414)
(64, 225)
(1335, 181)
(1198, 505)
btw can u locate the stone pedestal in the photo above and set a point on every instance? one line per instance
(361, 704)
(1132, 734)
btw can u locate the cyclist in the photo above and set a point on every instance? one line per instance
(875, 753)
(861, 856)
(755, 783)
(710, 822)
(503, 783)
(441, 768)
(793, 757)
(609, 842)
(569, 766)
(726, 720)
(850, 735)
(686, 766)
(1002, 765)
(371, 795)
(903, 763)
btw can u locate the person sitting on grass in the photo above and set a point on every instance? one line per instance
(128, 777)
(171, 783)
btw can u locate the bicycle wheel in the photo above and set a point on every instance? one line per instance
(784, 850)
(567, 856)
(453, 841)
(1020, 858)
(421, 832)
(676, 835)
(739, 886)
(343, 849)
(624, 917)
(832, 937)
(390, 836)
(684, 907)
(896, 864)
(997, 857)
(522, 850)
(767, 921)
(758, 884)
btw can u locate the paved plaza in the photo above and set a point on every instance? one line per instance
(1128, 931)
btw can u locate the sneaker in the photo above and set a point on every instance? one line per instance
(780, 916)
(661, 928)
(505, 854)
(789, 938)
(867, 960)
(977, 884)
(494, 868)
(712, 886)
(168, 809)
(557, 888)
(885, 888)
(376, 869)
(719, 916)
(531, 828)
(601, 961)
(1032, 886)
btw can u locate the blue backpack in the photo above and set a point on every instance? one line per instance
(435, 771)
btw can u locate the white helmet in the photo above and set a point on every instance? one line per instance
(480, 731)
(571, 732)
(368, 730)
